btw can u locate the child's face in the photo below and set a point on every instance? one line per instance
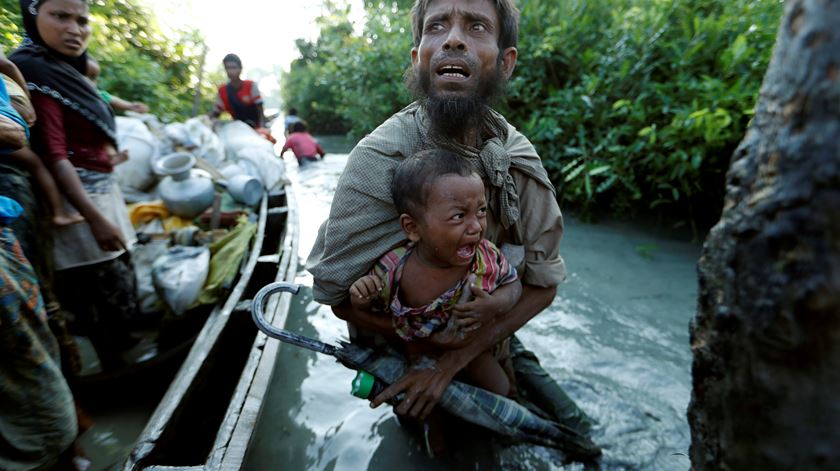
(453, 221)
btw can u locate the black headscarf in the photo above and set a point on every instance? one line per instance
(58, 76)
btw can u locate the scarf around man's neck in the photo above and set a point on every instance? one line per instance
(500, 150)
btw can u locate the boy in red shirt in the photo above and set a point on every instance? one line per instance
(240, 98)
(304, 146)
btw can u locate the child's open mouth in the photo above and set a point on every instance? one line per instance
(466, 251)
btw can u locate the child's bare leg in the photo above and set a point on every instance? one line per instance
(48, 187)
(486, 372)
(44, 180)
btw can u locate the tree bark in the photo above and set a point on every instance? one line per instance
(766, 337)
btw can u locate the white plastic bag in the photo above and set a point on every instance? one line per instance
(143, 257)
(142, 146)
(179, 275)
(209, 147)
(253, 153)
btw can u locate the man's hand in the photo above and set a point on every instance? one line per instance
(364, 291)
(423, 386)
(12, 134)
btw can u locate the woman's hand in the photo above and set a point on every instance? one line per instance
(108, 236)
(364, 291)
(117, 158)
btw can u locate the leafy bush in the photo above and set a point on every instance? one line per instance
(347, 82)
(643, 101)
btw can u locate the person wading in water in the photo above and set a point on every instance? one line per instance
(464, 52)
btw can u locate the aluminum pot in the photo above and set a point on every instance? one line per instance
(184, 194)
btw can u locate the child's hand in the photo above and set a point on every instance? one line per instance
(484, 307)
(364, 291)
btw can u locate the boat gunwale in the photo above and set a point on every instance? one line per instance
(240, 420)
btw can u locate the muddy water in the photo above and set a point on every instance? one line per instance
(616, 338)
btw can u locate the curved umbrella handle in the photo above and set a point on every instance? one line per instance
(258, 315)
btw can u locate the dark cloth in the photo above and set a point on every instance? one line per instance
(478, 406)
(50, 73)
(242, 103)
(37, 415)
(85, 146)
(306, 160)
(102, 301)
(241, 111)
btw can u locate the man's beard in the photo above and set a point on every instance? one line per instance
(454, 116)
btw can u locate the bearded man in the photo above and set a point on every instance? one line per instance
(464, 52)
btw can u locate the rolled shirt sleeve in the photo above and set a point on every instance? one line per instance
(538, 232)
(541, 229)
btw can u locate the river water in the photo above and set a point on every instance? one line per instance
(615, 337)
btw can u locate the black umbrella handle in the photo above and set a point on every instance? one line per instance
(258, 314)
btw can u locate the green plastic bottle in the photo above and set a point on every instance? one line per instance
(365, 385)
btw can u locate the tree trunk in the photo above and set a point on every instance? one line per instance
(766, 338)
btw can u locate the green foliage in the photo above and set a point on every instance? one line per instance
(634, 105)
(638, 104)
(11, 26)
(348, 82)
(138, 61)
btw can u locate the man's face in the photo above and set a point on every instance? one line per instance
(458, 55)
(233, 70)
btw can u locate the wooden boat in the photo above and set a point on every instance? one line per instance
(207, 415)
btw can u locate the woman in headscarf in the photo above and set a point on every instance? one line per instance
(75, 136)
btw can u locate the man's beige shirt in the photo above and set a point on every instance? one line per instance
(363, 223)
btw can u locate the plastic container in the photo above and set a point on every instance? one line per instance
(365, 385)
(245, 189)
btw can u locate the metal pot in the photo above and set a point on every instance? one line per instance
(183, 193)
